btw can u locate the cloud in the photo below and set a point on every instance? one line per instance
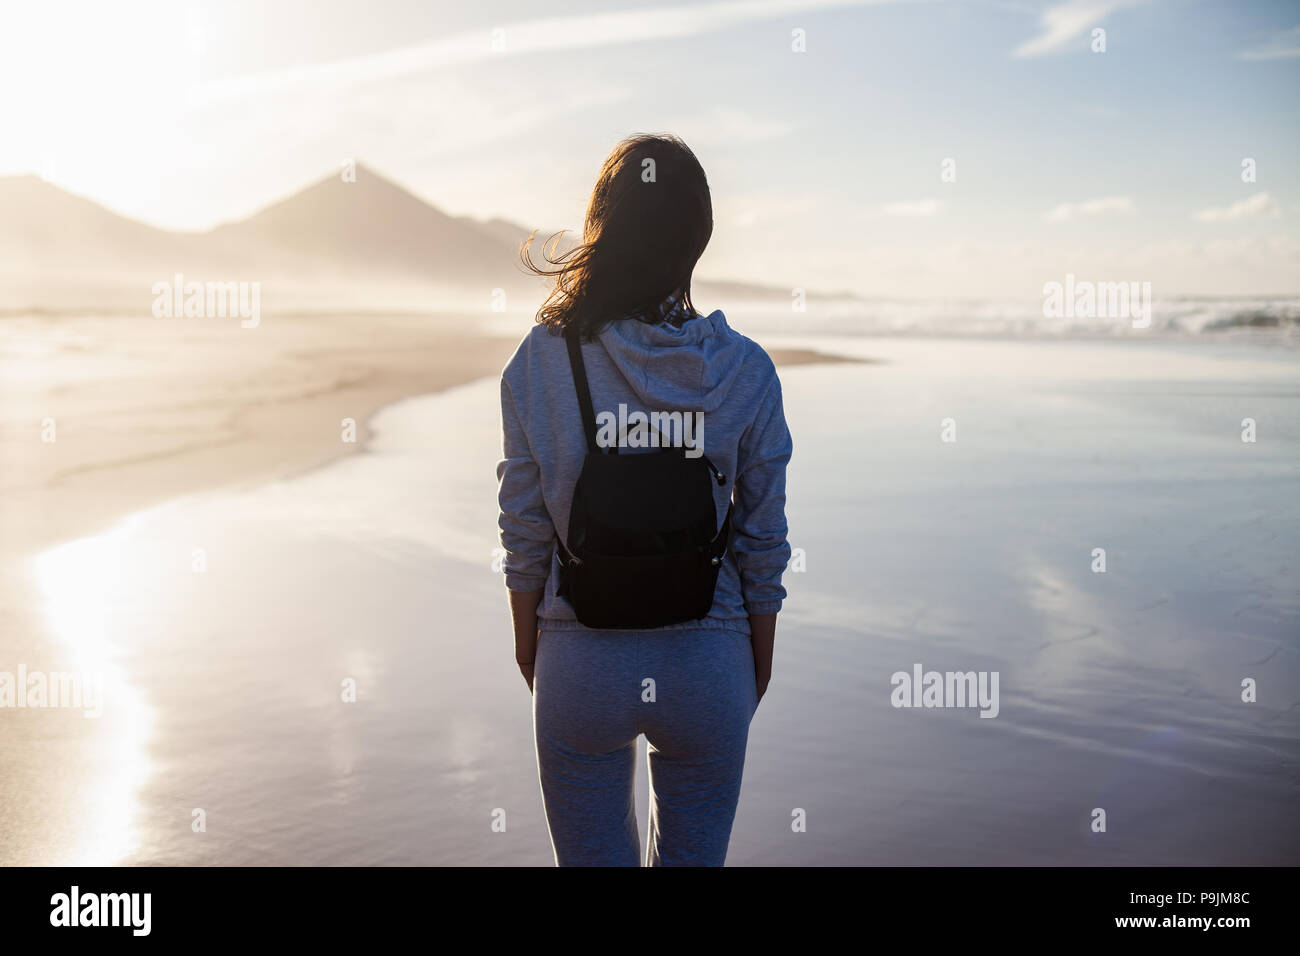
(1260, 204)
(1092, 207)
(541, 35)
(1064, 23)
(921, 207)
(1281, 45)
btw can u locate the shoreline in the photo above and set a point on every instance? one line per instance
(226, 684)
(285, 421)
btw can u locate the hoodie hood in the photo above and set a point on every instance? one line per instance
(688, 368)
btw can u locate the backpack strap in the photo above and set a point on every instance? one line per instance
(721, 542)
(579, 371)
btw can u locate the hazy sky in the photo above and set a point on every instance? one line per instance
(825, 164)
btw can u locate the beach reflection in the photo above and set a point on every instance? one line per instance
(80, 585)
(374, 575)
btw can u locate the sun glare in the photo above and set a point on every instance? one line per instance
(79, 584)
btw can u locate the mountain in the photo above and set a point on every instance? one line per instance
(41, 225)
(371, 228)
(368, 245)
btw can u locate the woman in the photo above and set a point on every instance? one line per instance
(691, 687)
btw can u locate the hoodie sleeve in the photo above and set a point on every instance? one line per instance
(758, 516)
(527, 534)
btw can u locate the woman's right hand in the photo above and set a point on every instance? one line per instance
(762, 638)
(523, 613)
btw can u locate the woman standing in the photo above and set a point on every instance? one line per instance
(620, 328)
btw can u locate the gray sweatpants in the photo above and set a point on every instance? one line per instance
(691, 692)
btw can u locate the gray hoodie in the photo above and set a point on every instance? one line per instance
(703, 366)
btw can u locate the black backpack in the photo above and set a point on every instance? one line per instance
(643, 547)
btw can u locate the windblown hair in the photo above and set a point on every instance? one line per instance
(648, 221)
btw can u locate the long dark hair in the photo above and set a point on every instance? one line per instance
(648, 220)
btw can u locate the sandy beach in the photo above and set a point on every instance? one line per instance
(148, 411)
(321, 566)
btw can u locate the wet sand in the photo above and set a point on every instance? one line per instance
(1119, 690)
(146, 412)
